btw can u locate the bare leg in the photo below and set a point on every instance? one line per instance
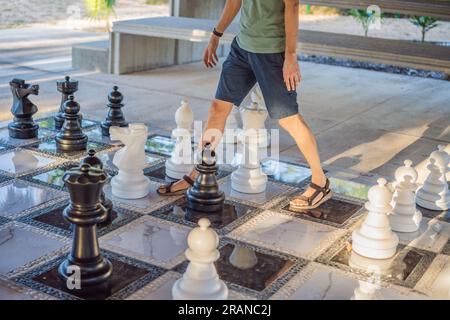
(215, 126)
(307, 144)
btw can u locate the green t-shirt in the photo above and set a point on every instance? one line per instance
(261, 28)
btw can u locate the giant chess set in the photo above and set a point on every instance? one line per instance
(80, 216)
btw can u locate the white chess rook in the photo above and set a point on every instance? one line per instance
(375, 239)
(200, 281)
(130, 182)
(181, 163)
(249, 177)
(231, 127)
(405, 217)
(435, 194)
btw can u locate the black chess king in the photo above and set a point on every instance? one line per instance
(115, 115)
(84, 212)
(23, 126)
(205, 195)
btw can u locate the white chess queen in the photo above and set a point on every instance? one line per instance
(130, 182)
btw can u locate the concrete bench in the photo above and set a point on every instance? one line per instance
(143, 44)
(439, 9)
(91, 56)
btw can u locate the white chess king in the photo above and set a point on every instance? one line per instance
(130, 182)
(405, 217)
(200, 281)
(435, 194)
(181, 162)
(375, 239)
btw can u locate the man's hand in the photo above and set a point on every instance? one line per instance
(210, 56)
(291, 71)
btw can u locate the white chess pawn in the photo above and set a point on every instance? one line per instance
(435, 194)
(231, 127)
(405, 217)
(180, 162)
(200, 281)
(253, 120)
(130, 182)
(375, 239)
(249, 177)
(243, 258)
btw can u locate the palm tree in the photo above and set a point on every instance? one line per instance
(425, 24)
(101, 9)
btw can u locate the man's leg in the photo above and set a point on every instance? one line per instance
(307, 144)
(215, 126)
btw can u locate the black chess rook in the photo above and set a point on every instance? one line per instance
(23, 126)
(115, 115)
(205, 195)
(67, 87)
(84, 212)
(71, 137)
(95, 162)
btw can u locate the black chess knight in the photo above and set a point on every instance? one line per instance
(71, 137)
(84, 212)
(205, 195)
(115, 115)
(95, 162)
(23, 126)
(67, 87)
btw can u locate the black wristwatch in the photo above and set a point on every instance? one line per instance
(217, 33)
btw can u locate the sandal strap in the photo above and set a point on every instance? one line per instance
(168, 186)
(318, 190)
(188, 180)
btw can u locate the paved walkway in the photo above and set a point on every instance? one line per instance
(364, 120)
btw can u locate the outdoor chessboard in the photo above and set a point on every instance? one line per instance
(283, 255)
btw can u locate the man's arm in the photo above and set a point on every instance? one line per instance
(230, 11)
(291, 70)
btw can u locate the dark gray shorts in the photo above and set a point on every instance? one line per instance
(242, 69)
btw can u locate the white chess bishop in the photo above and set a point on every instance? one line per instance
(249, 177)
(253, 120)
(130, 182)
(375, 239)
(180, 162)
(231, 127)
(200, 281)
(405, 217)
(435, 194)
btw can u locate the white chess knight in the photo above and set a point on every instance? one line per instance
(405, 217)
(231, 127)
(435, 194)
(254, 118)
(130, 182)
(200, 281)
(249, 177)
(375, 239)
(180, 162)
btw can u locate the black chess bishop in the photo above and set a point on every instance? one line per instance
(67, 87)
(71, 137)
(115, 115)
(84, 212)
(95, 162)
(205, 195)
(23, 126)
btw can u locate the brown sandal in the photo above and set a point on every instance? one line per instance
(326, 195)
(168, 187)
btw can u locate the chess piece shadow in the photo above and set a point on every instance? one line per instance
(23, 126)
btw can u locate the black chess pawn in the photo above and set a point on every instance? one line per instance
(95, 162)
(67, 87)
(23, 126)
(205, 195)
(84, 212)
(115, 115)
(71, 137)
